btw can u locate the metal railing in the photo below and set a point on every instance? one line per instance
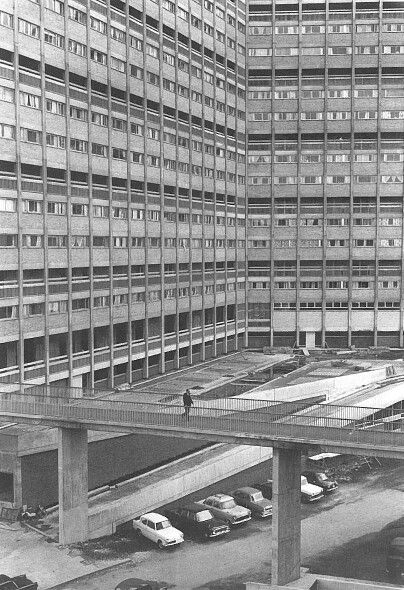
(257, 419)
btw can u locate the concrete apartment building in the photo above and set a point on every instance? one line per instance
(325, 173)
(125, 199)
(122, 180)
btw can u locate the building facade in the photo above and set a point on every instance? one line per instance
(325, 173)
(122, 187)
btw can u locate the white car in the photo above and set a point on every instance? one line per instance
(158, 529)
(310, 492)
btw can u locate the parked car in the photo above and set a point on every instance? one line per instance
(21, 582)
(265, 487)
(310, 492)
(395, 560)
(253, 499)
(198, 520)
(320, 479)
(225, 508)
(158, 529)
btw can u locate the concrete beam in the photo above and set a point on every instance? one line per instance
(286, 533)
(73, 485)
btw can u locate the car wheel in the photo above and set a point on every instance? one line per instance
(160, 544)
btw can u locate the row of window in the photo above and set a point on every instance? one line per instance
(288, 51)
(330, 93)
(104, 211)
(58, 107)
(335, 179)
(258, 159)
(320, 29)
(321, 115)
(283, 305)
(61, 241)
(61, 306)
(330, 221)
(328, 285)
(332, 243)
(33, 30)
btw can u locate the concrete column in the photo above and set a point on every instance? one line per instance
(73, 485)
(286, 516)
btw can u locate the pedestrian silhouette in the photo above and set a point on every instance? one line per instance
(188, 402)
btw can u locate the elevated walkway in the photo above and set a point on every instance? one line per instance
(334, 428)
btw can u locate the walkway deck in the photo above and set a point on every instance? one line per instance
(244, 421)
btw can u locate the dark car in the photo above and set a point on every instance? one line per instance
(253, 499)
(395, 560)
(265, 487)
(197, 520)
(21, 582)
(320, 479)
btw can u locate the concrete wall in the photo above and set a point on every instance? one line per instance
(233, 459)
(108, 460)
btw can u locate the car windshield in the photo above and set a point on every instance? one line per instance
(322, 477)
(203, 515)
(164, 524)
(257, 496)
(227, 504)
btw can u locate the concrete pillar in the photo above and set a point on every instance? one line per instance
(73, 485)
(286, 516)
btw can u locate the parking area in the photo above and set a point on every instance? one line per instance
(345, 533)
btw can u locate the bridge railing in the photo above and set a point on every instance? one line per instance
(253, 418)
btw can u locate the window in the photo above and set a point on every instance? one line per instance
(57, 241)
(8, 205)
(77, 15)
(365, 115)
(393, 49)
(78, 304)
(153, 133)
(77, 48)
(367, 49)
(32, 241)
(119, 153)
(56, 141)
(79, 209)
(79, 114)
(56, 208)
(100, 211)
(339, 28)
(98, 25)
(32, 309)
(392, 114)
(118, 34)
(153, 161)
(27, 28)
(338, 179)
(6, 19)
(99, 119)
(392, 179)
(118, 64)
(56, 6)
(136, 129)
(79, 145)
(136, 72)
(26, 99)
(184, 14)
(55, 107)
(31, 135)
(364, 243)
(153, 78)
(152, 51)
(8, 240)
(98, 56)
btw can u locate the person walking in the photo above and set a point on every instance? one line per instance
(188, 402)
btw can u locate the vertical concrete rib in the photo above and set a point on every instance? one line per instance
(73, 485)
(286, 516)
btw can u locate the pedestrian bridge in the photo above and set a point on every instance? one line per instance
(343, 429)
(287, 426)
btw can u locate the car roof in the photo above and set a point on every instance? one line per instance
(247, 490)
(154, 516)
(194, 507)
(221, 497)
